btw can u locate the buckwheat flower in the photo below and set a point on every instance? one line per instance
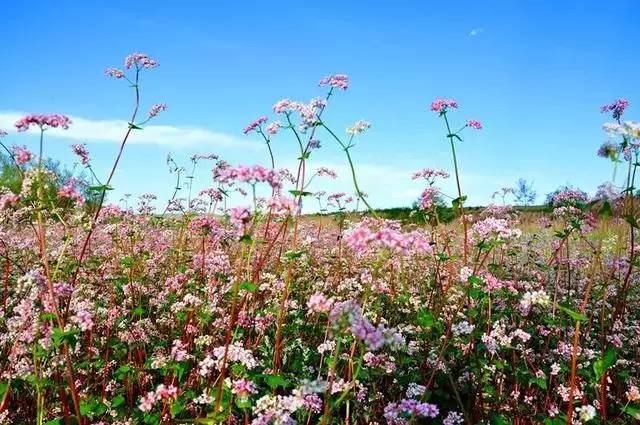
(442, 105)
(358, 127)
(415, 390)
(586, 413)
(608, 150)
(429, 197)
(69, 191)
(474, 124)
(84, 320)
(147, 402)
(429, 174)
(255, 124)
(633, 394)
(328, 172)
(465, 273)
(114, 72)
(273, 128)
(313, 144)
(7, 200)
(156, 109)
(139, 60)
(339, 81)
(607, 191)
(21, 154)
(282, 106)
(243, 388)
(44, 121)
(617, 108)
(318, 303)
(82, 153)
(453, 418)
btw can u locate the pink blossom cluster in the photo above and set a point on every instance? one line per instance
(617, 108)
(339, 81)
(82, 153)
(69, 191)
(283, 206)
(139, 60)
(442, 105)
(249, 174)
(44, 121)
(474, 124)
(156, 109)
(429, 197)
(494, 229)
(429, 174)
(162, 392)
(21, 154)
(255, 124)
(364, 237)
(328, 172)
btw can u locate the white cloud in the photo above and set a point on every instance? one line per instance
(90, 130)
(476, 31)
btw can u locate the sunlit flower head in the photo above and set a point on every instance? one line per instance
(617, 108)
(442, 105)
(156, 109)
(44, 121)
(139, 61)
(474, 124)
(339, 81)
(358, 127)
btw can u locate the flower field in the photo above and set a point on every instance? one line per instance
(202, 310)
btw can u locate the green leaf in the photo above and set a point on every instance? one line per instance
(176, 407)
(632, 221)
(243, 403)
(275, 381)
(574, 315)
(248, 286)
(606, 210)
(458, 202)
(100, 188)
(117, 401)
(605, 362)
(134, 127)
(633, 411)
(541, 382)
(425, 318)
(300, 193)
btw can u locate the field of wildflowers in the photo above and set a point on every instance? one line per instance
(199, 312)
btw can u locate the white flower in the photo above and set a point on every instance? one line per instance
(586, 413)
(358, 127)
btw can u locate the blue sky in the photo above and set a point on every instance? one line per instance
(535, 73)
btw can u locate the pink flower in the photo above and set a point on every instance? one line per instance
(84, 320)
(474, 124)
(282, 106)
(429, 197)
(21, 155)
(139, 60)
(243, 388)
(441, 105)
(43, 121)
(255, 124)
(339, 81)
(7, 200)
(273, 128)
(156, 109)
(328, 172)
(114, 72)
(82, 153)
(617, 108)
(69, 191)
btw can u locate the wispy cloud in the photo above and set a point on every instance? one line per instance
(90, 130)
(475, 32)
